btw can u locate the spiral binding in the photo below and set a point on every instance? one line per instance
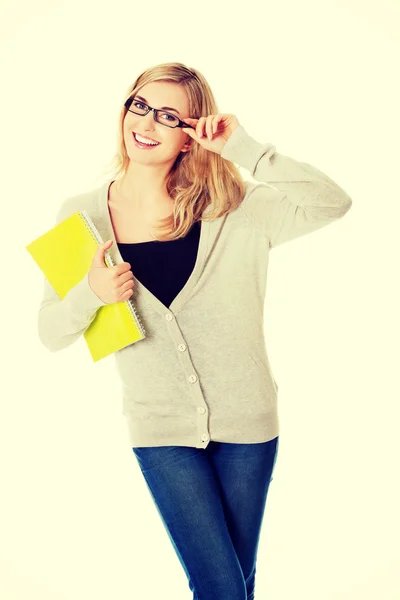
(111, 263)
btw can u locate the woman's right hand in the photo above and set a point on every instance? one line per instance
(110, 284)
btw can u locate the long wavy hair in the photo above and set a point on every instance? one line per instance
(198, 177)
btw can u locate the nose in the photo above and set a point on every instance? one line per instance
(149, 122)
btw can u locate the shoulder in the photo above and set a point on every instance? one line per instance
(252, 190)
(84, 201)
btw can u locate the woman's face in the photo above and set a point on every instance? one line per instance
(172, 140)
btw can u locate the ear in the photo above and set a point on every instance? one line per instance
(187, 146)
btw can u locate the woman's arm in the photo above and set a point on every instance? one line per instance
(293, 198)
(62, 321)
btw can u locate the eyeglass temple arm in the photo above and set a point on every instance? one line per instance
(187, 124)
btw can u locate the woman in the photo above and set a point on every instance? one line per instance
(191, 242)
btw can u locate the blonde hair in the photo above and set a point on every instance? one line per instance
(198, 177)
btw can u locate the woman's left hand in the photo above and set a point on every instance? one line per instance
(212, 132)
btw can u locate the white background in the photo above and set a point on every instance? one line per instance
(317, 79)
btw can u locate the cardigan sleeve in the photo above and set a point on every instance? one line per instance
(293, 198)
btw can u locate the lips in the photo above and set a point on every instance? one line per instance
(144, 137)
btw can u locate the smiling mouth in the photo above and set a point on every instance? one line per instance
(150, 141)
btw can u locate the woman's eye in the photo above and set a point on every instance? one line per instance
(169, 117)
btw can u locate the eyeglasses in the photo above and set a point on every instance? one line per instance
(165, 118)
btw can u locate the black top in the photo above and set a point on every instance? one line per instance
(163, 267)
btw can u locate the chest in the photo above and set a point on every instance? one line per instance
(130, 227)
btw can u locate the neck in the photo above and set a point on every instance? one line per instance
(142, 187)
(156, 208)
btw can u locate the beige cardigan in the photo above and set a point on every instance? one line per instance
(203, 373)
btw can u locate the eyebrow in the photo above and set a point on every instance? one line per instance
(162, 108)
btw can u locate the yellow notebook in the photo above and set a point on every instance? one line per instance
(65, 254)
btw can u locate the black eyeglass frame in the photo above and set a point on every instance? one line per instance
(155, 111)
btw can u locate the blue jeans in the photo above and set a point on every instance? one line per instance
(211, 502)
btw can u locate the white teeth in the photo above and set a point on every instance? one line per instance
(144, 141)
